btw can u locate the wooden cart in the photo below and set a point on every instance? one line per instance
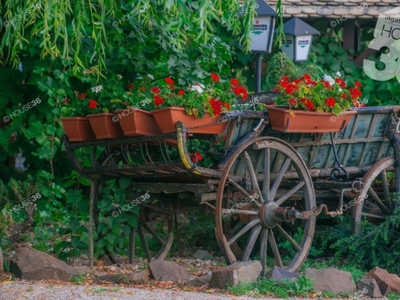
(268, 187)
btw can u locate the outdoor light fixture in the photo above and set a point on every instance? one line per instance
(261, 35)
(298, 38)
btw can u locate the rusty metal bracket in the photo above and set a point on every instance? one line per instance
(315, 211)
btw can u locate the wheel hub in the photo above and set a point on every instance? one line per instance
(267, 214)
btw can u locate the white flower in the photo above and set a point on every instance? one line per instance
(198, 87)
(338, 74)
(329, 79)
(150, 76)
(119, 76)
(97, 89)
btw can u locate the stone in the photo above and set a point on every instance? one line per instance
(163, 270)
(134, 277)
(278, 274)
(31, 264)
(138, 277)
(1, 261)
(84, 270)
(203, 254)
(369, 287)
(387, 282)
(199, 281)
(333, 280)
(239, 272)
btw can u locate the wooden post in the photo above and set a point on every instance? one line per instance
(93, 196)
(132, 237)
(1, 261)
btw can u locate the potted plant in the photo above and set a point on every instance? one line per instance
(308, 105)
(97, 99)
(74, 110)
(198, 105)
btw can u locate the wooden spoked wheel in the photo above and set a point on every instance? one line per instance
(263, 184)
(375, 202)
(155, 231)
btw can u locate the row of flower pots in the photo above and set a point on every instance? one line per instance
(136, 122)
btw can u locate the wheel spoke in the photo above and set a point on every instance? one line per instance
(154, 234)
(386, 191)
(251, 241)
(253, 176)
(227, 212)
(267, 175)
(239, 187)
(373, 216)
(289, 238)
(378, 200)
(278, 179)
(290, 193)
(263, 249)
(246, 228)
(274, 247)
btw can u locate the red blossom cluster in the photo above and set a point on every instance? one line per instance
(213, 98)
(328, 95)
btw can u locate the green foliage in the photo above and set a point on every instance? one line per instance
(78, 279)
(301, 287)
(376, 246)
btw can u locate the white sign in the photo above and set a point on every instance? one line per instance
(261, 35)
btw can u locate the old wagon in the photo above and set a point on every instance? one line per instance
(267, 189)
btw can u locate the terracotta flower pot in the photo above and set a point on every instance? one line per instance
(285, 120)
(166, 119)
(105, 126)
(78, 129)
(136, 122)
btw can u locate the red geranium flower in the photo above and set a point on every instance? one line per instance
(158, 100)
(155, 90)
(216, 106)
(330, 101)
(326, 83)
(181, 92)
(196, 156)
(214, 77)
(92, 104)
(226, 105)
(234, 82)
(130, 86)
(169, 80)
(341, 82)
(241, 91)
(292, 102)
(355, 93)
(357, 84)
(82, 95)
(309, 104)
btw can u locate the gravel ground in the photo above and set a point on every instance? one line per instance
(45, 291)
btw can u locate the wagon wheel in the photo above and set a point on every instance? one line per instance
(155, 231)
(375, 202)
(261, 183)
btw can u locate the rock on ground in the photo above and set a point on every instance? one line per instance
(31, 264)
(369, 287)
(278, 274)
(331, 279)
(235, 273)
(387, 282)
(163, 270)
(203, 254)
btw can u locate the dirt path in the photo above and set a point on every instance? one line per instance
(47, 291)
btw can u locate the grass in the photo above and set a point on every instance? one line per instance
(78, 279)
(302, 287)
